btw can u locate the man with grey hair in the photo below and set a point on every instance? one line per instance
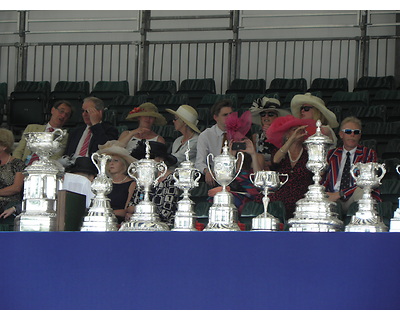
(84, 140)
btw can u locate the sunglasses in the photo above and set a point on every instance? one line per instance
(306, 108)
(269, 114)
(350, 131)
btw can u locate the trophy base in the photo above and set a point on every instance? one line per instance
(185, 216)
(265, 222)
(222, 218)
(366, 218)
(100, 223)
(36, 222)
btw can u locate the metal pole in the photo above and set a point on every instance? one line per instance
(236, 47)
(397, 52)
(22, 60)
(145, 17)
(364, 54)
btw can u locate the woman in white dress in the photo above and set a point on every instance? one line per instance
(186, 119)
(147, 114)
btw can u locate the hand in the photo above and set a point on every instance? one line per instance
(214, 191)
(8, 212)
(299, 133)
(333, 196)
(94, 115)
(140, 132)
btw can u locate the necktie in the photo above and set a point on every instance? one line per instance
(34, 156)
(345, 182)
(85, 145)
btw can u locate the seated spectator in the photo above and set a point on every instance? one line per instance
(79, 178)
(264, 111)
(147, 114)
(11, 177)
(60, 113)
(165, 195)
(186, 123)
(340, 185)
(122, 184)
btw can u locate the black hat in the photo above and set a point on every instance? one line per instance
(157, 149)
(85, 165)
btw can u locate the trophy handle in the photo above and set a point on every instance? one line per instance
(353, 168)
(196, 179)
(160, 166)
(284, 175)
(174, 176)
(241, 164)
(398, 168)
(383, 169)
(60, 134)
(251, 175)
(95, 159)
(208, 165)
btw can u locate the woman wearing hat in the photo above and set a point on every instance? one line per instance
(123, 185)
(186, 123)
(264, 111)
(165, 195)
(307, 106)
(147, 114)
(287, 134)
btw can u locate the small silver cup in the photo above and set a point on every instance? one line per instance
(395, 221)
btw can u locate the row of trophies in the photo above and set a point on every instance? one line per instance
(314, 212)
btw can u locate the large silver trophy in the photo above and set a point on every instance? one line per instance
(43, 179)
(315, 212)
(223, 215)
(367, 218)
(395, 221)
(100, 216)
(145, 173)
(268, 181)
(186, 178)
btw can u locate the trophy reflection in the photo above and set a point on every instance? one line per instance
(367, 219)
(223, 215)
(395, 221)
(268, 181)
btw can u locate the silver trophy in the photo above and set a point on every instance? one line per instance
(100, 216)
(395, 221)
(223, 215)
(268, 181)
(315, 212)
(186, 178)
(43, 179)
(367, 218)
(145, 173)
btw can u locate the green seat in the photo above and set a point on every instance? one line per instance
(349, 99)
(392, 149)
(195, 89)
(390, 191)
(241, 87)
(152, 87)
(109, 90)
(374, 84)
(390, 166)
(283, 86)
(369, 143)
(372, 113)
(210, 99)
(71, 209)
(389, 98)
(329, 86)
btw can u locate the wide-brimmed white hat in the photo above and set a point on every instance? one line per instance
(147, 109)
(300, 100)
(266, 104)
(188, 115)
(114, 148)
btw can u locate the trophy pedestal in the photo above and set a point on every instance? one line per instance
(223, 215)
(145, 218)
(366, 218)
(395, 221)
(36, 222)
(265, 222)
(100, 217)
(184, 216)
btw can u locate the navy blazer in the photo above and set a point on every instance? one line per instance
(101, 133)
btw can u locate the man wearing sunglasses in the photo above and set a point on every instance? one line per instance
(339, 184)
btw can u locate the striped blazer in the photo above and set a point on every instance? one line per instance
(362, 154)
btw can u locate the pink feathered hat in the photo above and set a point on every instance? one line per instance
(281, 125)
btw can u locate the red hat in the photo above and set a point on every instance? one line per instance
(281, 125)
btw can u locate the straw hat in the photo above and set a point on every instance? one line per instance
(188, 115)
(281, 125)
(308, 99)
(266, 104)
(114, 148)
(84, 165)
(147, 109)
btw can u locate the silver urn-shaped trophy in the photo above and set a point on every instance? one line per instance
(186, 178)
(315, 212)
(268, 181)
(395, 221)
(146, 174)
(223, 214)
(43, 179)
(366, 218)
(100, 216)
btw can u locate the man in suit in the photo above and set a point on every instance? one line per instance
(60, 113)
(84, 140)
(340, 185)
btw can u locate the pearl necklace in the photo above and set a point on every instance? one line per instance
(121, 180)
(301, 152)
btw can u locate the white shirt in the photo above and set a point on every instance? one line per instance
(342, 163)
(180, 154)
(209, 141)
(79, 184)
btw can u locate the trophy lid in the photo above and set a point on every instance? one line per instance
(318, 137)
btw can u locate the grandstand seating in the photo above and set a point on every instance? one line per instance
(328, 87)
(195, 89)
(154, 87)
(109, 90)
(373, 84)
(283, 86)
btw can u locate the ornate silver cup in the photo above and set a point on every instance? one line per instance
(145, 173)
(315, 212)
(41, 183)
(367, 218)
(268, 181)
(100, 216)
(395, 221)
(186, 178)
(223, 215)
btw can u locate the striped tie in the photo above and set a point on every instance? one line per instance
(85, 145)
(34, 156)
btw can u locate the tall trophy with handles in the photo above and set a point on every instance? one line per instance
(223, 215)
(367, 177)
(268, 181)
(395, 221)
